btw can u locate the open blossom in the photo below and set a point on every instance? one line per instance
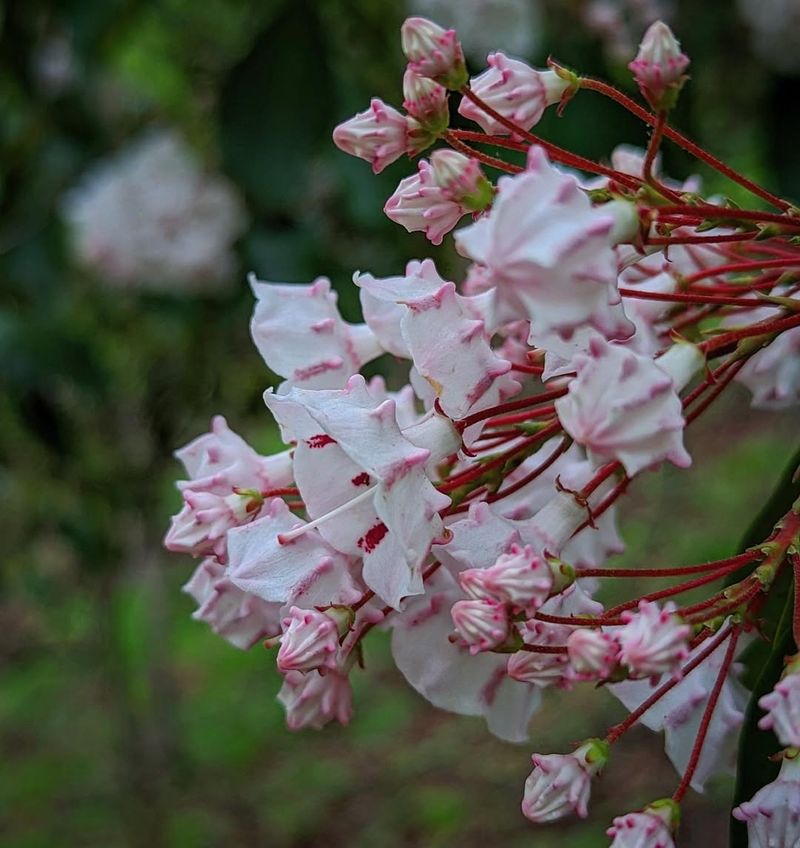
(548, 252)
(560, 784)
(240, 618)
(314, 700)
(481, 624)
(773, 373)
(309, 641)
(653, 640)
(302, 337)
(624, 406)
(773, 813)
(659, 65)
(380, 135)
(421, 206)
(150, 217)
(515, 90)
(782, 707)
(224, 490)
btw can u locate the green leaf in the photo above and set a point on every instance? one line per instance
(763, 659)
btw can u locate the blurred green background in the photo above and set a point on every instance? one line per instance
(123, 722)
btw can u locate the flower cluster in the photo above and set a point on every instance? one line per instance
(471, 511)
(150, 217)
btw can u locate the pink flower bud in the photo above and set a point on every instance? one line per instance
(659, 65)
(773, 813)
(515, 90)
(474, 581)
(592, 653)
(561, 783)
(520, 578)
(461, 179)
(434, 52)
(309, 641)
(313, 700)
(419, 205)
(481, 624)
(652, 641)
(426, 101)
(651, 828)
(379, 135)
(782, 706)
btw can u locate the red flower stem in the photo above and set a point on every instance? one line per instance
(650, 157)
(528, 478)
(681, 140)
(607, 502)
(714, 393)
(494, 140)
(615, 732)
(276, 493)
(670, 591)
(521, 417)
(511, 406)
(556, 153)
(477, 471)
(688, 297)
(527, 369)
(602, 475)
(795, 561)
(577, 620)
(491, 161)
(728, 237)
(720, 343)
(703, 611)
(694, 318)
(709, 210)
(731, 562)
(708, 714)
(545, 649)
(733, 267)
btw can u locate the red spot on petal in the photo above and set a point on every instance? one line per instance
(361, 479)
(320, 441)
(372, 538)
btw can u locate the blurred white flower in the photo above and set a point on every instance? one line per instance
(150, 217)
(483, 24)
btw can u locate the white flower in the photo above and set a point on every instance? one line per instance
(773, 813)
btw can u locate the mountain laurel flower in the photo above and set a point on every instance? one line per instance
(481, 624)
(461, 179)
(623, 406)
(380, 135)
(772, 815)
(419, 205)
(309, 641)
(314, 700)
(561, 783)
(652, 641)
(782, 706)
(548, 253)
(653, 827)
(772, 374)
(434, 52)
(426, 101)
(592, 653)
(514, 90)
(520, 578)
(659, 65)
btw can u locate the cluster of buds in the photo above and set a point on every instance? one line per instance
(471, 511)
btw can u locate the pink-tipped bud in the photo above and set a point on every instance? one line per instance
(434, 52)
(419, 205)
(379, 135)
(592, 653)
(514, 90)
(475, 582)
(772, 815)
(659, 65)
(653, 641)
(481, 624)
(309, 641)
(426, 100)
(561, 783)
(461, 179)
(314, 700)
(521, 578)
(651, 828)
(782, 706)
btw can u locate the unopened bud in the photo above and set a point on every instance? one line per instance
(434, 52)
(659, 65)
(426, 100)
(461, 179)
